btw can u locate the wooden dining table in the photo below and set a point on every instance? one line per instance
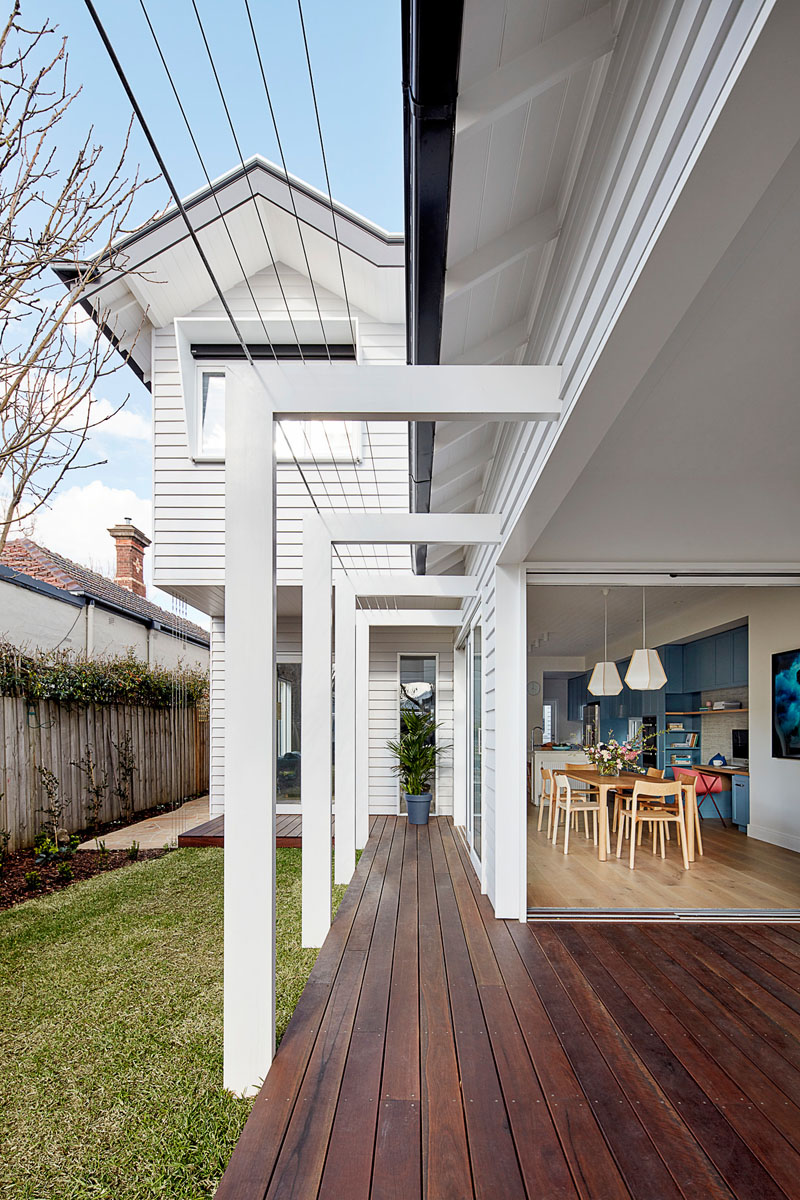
(624, 783)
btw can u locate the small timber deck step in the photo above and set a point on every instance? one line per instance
(288, 831)
(438, 1052)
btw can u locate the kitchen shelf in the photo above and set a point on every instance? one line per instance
(702, 712)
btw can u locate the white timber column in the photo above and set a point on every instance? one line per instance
(510, 737)
(344, 857)
(362, 730)
(249, 953)
(460, 782)
(315, 778)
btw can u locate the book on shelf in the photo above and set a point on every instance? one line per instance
(674, 726)
(689, 742)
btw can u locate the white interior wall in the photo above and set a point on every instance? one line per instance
(384, 697)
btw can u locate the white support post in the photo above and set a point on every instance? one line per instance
(249, 889)
(315, 778)
(460, 781)
(362, 730)
(510, 735)
(345, 726)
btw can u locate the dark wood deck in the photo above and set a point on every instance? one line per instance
(439, 1052)
(288, 831)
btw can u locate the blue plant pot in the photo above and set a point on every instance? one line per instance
(419, 809)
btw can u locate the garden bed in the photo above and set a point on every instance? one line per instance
(14, 887)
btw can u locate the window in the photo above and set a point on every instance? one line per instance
(323, 441)
(549, 720)
(212, 413)
(289, 731)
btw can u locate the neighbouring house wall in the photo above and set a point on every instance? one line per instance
(384, 699)
(189, 497)
(33, 620)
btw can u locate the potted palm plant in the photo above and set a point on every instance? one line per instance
(416, 754)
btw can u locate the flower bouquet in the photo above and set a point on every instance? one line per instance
(610, 757)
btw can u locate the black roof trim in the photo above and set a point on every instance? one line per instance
(431, 58)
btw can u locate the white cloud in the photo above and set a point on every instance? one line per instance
(77, 522)
(125, 424)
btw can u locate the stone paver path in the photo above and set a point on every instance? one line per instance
(155, 832)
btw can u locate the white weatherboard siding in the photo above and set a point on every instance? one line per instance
(189, 497)
(384, 701)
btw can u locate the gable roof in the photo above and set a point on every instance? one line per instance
(37, 562)
(161, 276)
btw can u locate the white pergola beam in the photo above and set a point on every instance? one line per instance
(344, 857)
(439, 617)
(501, 252)
(477, 529)
(315, 778)
(348, 392)
(453, 587)
(531, 74)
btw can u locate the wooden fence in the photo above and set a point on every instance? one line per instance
(170, 748)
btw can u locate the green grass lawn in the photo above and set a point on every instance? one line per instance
(111, 1032)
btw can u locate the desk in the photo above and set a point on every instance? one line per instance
(622, 783)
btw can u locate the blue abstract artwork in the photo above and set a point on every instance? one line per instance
(786, 704)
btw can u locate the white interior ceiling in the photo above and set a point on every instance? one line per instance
(568, 620)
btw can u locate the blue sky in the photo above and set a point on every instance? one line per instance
(355, 53)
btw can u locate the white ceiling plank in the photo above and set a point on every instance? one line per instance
(501, 252)
(459, 470)
(495, 346)
(531, 74)
(444, 560)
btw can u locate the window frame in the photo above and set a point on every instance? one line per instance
(206, 368)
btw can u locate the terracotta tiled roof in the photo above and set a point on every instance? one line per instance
(38, 562)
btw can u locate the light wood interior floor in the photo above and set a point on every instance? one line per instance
(736, 872)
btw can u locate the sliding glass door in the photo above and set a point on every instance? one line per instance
(474, 739)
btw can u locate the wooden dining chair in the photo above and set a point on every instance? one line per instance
(546, 798)
(689, 785)
(642, 806)
(572, 802)
(652, 773)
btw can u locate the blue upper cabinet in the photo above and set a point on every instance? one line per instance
(740, 672)
(708, 663)
(691, 667)
(723, 659)
(673, 665)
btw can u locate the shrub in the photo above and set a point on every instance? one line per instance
(120, 679)
(65, 870)
(133, 851)
(33, 880)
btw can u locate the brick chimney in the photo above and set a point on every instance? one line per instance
(131, 545)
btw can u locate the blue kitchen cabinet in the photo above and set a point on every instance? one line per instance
(574, 686)
(691, 667)
(723, 659)
(708, 664)
(672, 659)
(740, 800)
(739, 641)
(635, 704)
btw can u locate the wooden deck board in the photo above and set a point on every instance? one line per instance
(437, 1052)
(288, 832)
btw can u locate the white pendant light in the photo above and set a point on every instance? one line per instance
(645, 673)
(605, 679)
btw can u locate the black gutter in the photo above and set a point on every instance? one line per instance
(431, 56)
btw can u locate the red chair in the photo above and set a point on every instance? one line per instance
(707, 787)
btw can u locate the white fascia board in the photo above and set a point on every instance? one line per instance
(471, 529)
(349, 392)
(445, 617)
(449, 586)
(529, 75)
(501, 252)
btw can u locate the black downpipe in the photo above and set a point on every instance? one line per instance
(431, 54)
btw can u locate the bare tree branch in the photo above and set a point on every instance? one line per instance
(57, 210)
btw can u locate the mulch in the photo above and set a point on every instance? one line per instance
(85, 863)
